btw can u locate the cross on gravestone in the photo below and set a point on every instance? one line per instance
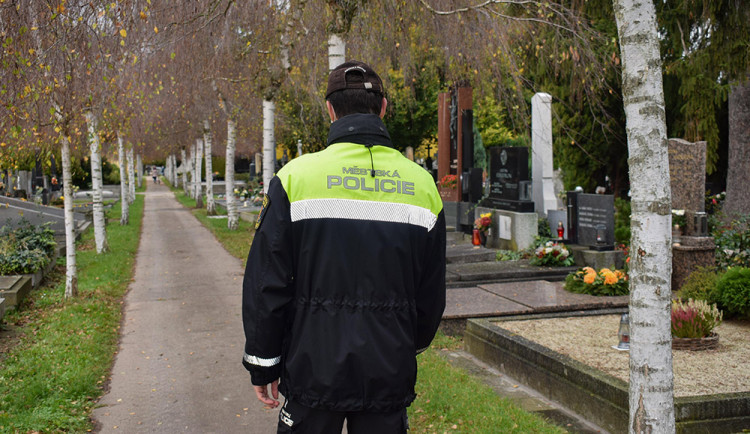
(591, 220)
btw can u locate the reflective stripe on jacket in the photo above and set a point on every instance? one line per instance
(345, 279)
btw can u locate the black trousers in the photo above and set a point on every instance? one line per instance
(298, 419)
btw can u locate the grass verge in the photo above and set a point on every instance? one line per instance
(236, 242)
(448, 398)
(51, 379)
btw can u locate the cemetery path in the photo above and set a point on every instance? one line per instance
(179, 368)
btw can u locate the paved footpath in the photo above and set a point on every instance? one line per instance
(179, 368)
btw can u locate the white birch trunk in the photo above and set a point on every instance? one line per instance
(71, 273)
(651, 378)
(233, 220)
(191, 167)
(336, 51)
(139, 170)
(131, 176)
(269, 143)
(184, 165)
(198, 182)
(207, 143)
(173, 174)
(124, 205)
(100, 223)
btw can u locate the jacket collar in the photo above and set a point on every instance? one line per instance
(360, 128)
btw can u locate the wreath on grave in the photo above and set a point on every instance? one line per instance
(602, 282)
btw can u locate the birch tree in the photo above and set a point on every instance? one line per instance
(131, 174)
(184, 167)
(100, 222)
(208, 145)
(124, 203)
(197, 173)
(651, 378)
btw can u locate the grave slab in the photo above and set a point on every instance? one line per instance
(544, 296)
(466, 253)
(506, 271)
(14, 289)
(475, 302)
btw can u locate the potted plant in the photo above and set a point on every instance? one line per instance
(693, 324)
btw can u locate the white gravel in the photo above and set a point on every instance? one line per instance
(589, 340)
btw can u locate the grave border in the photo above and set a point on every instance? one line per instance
(595, 395)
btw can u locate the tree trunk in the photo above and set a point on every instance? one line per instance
(233, 220)
(131, 176)
(124, 205)
(336, 51)
(139, 170)
(269, 143)
(185, 166)
(100, 223)
(210, 203)
(198, 183)
(738, 174)
(651, 379)
(191, 167)
(71, 273)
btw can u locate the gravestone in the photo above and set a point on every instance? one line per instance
(24, 182)
(509, 179)
(687, 173)
(543, 189)
(687, 176)
(591, 220)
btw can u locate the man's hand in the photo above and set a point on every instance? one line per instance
(262, 393)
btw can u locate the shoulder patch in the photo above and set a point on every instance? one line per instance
(263, 209)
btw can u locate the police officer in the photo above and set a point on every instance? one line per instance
(345, 279)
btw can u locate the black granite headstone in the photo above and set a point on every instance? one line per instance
(591, 220)
(509, 168)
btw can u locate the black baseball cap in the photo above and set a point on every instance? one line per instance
(370, 79)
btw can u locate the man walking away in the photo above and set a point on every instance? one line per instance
(345, 279)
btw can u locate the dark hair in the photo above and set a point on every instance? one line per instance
(351, 101)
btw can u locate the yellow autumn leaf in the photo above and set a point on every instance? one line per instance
(156, 30)
(123, 33)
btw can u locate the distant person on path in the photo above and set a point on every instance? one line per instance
(155, 174)
(345, 279)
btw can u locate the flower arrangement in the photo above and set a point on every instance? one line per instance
(552, 253)
(484, 222)
(449, 181)
(694, 319)
(602, 282)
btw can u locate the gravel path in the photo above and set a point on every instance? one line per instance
(589, 340)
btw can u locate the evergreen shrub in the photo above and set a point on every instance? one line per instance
(622, 221)
(734, 291)
(701, 285)
(25, 249)
(733, 243)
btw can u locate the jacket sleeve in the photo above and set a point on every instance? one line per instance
(268, 287)
(431, 291)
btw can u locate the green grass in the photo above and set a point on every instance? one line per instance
(451, 400)
(448, 398)
(51, 380)
(236, 242)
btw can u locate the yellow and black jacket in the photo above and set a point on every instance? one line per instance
(345, 279)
